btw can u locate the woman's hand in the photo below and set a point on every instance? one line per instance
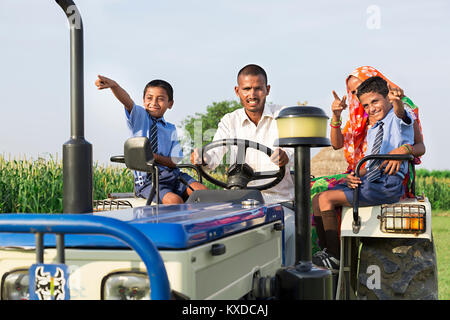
(338, 106)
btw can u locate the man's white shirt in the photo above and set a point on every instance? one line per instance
(238, 125)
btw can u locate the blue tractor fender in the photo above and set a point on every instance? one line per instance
(88, 224)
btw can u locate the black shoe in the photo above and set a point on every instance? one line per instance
(324, 259)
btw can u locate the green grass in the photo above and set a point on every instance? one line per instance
(441, 236)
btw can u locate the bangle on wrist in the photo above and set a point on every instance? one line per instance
(336, 124)
(409, 148)
(412, 149)
(340, 120)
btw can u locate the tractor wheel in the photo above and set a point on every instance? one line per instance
(397, 269)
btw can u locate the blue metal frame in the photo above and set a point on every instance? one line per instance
(88, 224)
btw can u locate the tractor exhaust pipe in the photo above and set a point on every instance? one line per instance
(77, 152)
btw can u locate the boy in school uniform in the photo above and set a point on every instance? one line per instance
(148, 121)
(392, 127)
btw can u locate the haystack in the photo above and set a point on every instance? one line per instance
(328, 161)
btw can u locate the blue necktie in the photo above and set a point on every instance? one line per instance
(373, 173)
(154, 136)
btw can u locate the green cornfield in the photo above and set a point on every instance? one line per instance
(36, 185)
(435, 185)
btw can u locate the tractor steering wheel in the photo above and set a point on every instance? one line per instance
(240, 173)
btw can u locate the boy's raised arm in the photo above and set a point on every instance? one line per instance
(121, 95)
(395, 96)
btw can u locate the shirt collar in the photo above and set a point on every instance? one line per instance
(389, 115)
(162, 120)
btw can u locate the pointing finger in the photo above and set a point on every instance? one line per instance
(335, 95)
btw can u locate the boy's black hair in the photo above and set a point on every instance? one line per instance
(161, 84)
(373, 84)
(253, 70)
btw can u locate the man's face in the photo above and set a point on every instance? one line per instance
(156, 101)
(252, 91)
(375, 105)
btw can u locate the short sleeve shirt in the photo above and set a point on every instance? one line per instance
(396, 132)
(140, 123)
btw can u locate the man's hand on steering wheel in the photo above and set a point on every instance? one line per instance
(279, 157)
(195, 158)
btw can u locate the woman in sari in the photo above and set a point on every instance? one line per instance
(353, 136)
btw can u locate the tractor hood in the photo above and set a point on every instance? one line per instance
(167, 226)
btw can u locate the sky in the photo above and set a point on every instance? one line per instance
(306, 47)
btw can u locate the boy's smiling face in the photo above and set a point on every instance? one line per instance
(156, 101)
(375, 105)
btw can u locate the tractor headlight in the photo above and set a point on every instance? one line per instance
(126, 286)
(403, 218)
(15, 285)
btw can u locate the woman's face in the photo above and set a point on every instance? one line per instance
(353, 84)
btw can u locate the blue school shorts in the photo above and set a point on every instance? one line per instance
(168, 182)
(385, 190)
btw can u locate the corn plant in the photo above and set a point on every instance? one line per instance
(437, 190)
(37, 185)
